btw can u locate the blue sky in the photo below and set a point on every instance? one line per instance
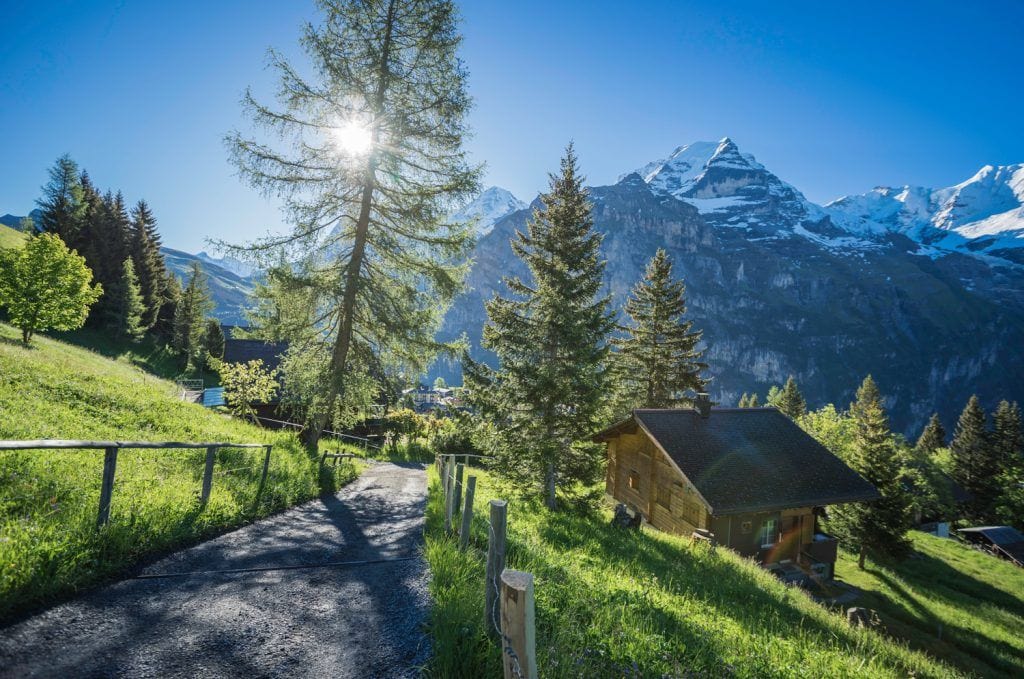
(833, 97)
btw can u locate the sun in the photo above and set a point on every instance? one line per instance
(352, 138)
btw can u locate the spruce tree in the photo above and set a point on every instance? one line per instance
(879, 526)
(111, 232)
(658, 360)
(932, 437)
(744, 401)
(149, 262)
(975, 466)
(370, 165)
(1008, 442)
(190, 317)
(550, 338)
(752, 402)
(164, 328)
(789, 400)
(126, 306)
(213, 341)
(61, 207)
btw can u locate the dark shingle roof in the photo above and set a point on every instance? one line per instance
(1006, 539)
(751, 459)
(245, 350)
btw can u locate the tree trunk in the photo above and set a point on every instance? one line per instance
(549, 486)
(343, 342)
(860, 558)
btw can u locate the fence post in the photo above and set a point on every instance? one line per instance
(211, 454)
(459, 470)
(107, 486)
(263, 477)
(467, 514)
(518, 633)
(495, 563)
(449, 498)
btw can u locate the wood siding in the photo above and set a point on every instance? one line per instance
(643, 477)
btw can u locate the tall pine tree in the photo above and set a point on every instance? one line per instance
(370, 165)
(550, 337)
(789, 399)
(932, 438)
(658, 359)
(190, 318)
(975, 466)
(126, 304)
(879, 526)
(149, 262)
(164, 328)
(1008, 442)
(62, 206)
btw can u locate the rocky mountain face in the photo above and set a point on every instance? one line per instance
(781, 286)
(229, 291)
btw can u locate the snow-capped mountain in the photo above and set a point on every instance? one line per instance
(487, 208)
(984, 214)
(235, 266)
(782, 286)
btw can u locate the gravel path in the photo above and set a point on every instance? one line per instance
(349, 621)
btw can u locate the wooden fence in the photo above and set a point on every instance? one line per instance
(509, 598)
(111, 449)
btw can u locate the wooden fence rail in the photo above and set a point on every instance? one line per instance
(110, 450)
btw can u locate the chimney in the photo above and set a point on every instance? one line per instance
(703, 404)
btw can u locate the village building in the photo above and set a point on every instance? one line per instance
(750, 477)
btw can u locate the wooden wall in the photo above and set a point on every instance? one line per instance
(642, 477)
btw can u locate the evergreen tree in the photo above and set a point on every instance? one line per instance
(658, 358)
(126, 306)
(772, 398)
(549, 335)
(1008, 441)
(90, 224)
(752, 402)
(111, 232)
(975, 466)
(879, 526)
(371, 164)
(149, 262)
(789, 399)
(932, 438)
(164, 328)
(62, 206)
(190, 317)
(744, 401)
(214, 342)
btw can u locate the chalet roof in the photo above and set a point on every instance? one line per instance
(749, 459)
(1007, 539)
(245, 350)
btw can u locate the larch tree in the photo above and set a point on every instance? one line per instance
(546, 397)
(62, 206)
(371, 163)
(932, 437)
(974, 463)
(657, 361)
(879, 526)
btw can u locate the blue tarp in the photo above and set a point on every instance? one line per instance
(213, 397)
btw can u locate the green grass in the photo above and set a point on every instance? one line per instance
(613, 603)
(977, 599)
(49, 548)
(148, 353)
(10, 238)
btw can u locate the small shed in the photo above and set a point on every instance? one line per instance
(750, 476)
(1003, 541)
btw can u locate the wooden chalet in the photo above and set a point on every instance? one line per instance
(749, 476)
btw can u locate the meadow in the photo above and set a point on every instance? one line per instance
(49, 545)
(615, 603)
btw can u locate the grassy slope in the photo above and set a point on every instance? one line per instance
(9, 237)
(977, 599)
(611, 603)
(48, 499)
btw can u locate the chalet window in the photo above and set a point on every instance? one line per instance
(769, 532)
(634, 480)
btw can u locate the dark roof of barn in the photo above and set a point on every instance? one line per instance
(245, 350)
(1009, 540)
(749, 459)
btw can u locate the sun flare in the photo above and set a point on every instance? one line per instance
(352, 137)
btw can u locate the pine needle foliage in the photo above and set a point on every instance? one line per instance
(975, 464)
(368, 161)
(549, 334)
(657, 361)
(789, 399)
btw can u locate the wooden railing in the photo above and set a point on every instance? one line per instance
(111, 449)
(364, 442)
